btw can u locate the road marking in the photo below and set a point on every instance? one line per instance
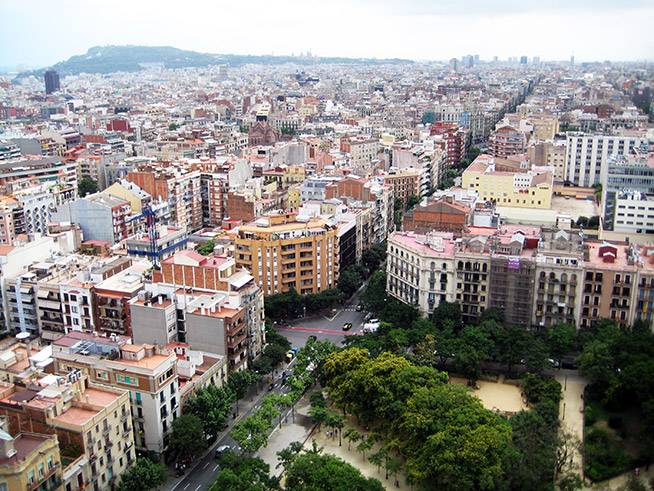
(199, 486)
(187, 485)
(215, 468)
(205, 465)
(324, 331)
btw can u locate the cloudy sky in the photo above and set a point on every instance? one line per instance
(38, 33)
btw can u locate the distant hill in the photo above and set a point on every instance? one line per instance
(109, 59)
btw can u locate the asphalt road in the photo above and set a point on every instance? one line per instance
(203, 474)
(324, 327)
(205, 469)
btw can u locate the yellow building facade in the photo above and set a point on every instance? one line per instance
(284, 251)
(30, 461)
(520, 190)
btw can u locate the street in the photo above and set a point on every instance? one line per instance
(204, 470)
(325, 327)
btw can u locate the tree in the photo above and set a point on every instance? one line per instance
(560, 339)
(239, 382)
(536, 355)
(364, 446)
(374, 296)
(143, 475)
(473, 153)
(239, 474)
(173, 126)
(428, 116)
(373, 257)
(413, 200)
(86, 186)
(582, 221)
(437, 453)
(593, 222)
(251, 433)
(378, 458)
(311, 471)
(447, 311)
(188, 436)
(352, 436)
(539, 388)
(469, 362)
(206, 249)
(212, 405)
(596, 363)
(512, 346)
(349, 281)
(393, 467)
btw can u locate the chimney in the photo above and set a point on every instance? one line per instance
(88, 398)
(160, 300)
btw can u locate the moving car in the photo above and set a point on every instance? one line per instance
(347, 326)
(359, 308)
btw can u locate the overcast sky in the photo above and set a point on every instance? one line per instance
(42, 32)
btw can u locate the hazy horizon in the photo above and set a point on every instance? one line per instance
(40, 33)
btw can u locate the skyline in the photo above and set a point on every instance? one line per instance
(417, 29)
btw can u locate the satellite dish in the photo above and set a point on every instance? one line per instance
(22, 335)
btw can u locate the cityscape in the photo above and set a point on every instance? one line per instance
(297, 272)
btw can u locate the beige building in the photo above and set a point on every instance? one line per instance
(146, 374)
(29, 461)
(287, 250)
(88, 420)
(515, 189)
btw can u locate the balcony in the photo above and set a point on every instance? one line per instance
(233, 343)
(106, 430)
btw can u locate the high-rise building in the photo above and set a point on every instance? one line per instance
(51, 82)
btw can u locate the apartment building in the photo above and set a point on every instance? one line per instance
(506, 141)
(101, 216)
(177, 183)
(89, 420)
(167, 241)
(608, 284)
(190, 269)
(549, 154)
(628, 195)
(586, 160)
(287, 250)
(29, 461)
(405, 183)
(362, 151)
(146, 374)
(558, 291)
(420, 270)
(529, 189)
(39, 169)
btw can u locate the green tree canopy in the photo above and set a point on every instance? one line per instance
(188, 436)
(432, 430)
(312, 471)
(212, 405)
(87, 186)
(143, 475)
(244, 474)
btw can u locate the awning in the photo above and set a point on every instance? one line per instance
(241, 280)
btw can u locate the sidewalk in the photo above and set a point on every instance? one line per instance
(572, 410)
(244, 405)
(301, 431)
